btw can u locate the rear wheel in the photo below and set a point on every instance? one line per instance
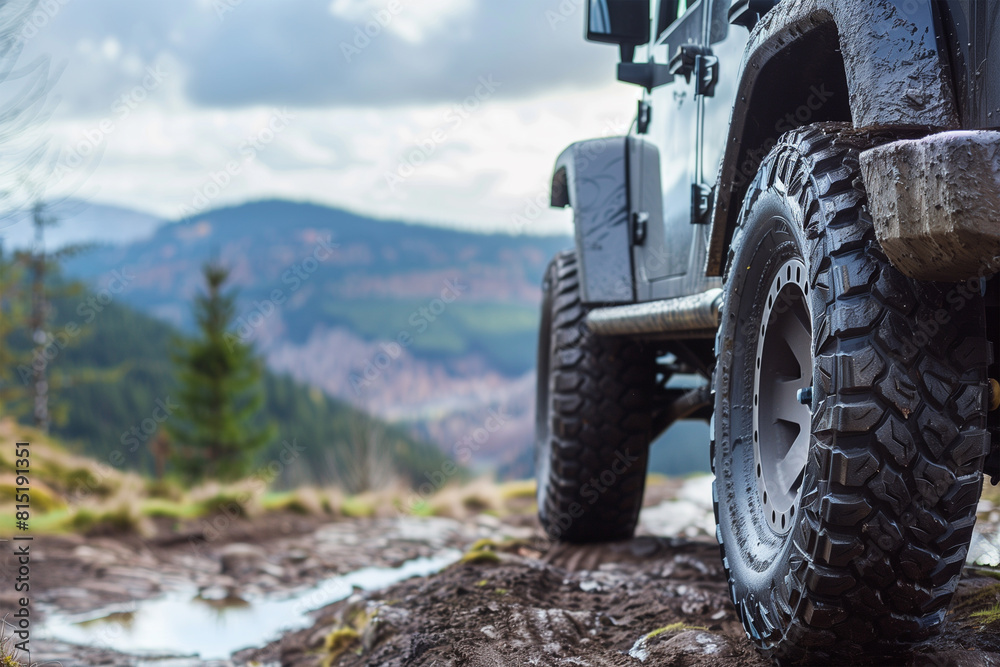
(849, 433)
(593, 419)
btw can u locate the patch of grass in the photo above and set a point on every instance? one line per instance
(483, 544)
(481, 557)
(461, 500)
(42, 498)
(289, 501)
(979, 604)
(357, 507)
(329, 505)
(986, 595)
(987, 616)
(165, 489)
(674, 628)
(476, 503)
(422, 508)
(489, 544)
(113, 521)
(83, 480)
(338, 641)
(230, 502)
(7, 656)
(161, 508)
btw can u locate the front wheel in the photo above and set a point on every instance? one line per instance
(850, 417)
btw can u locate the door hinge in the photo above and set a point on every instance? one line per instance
(700, 62)
(640, 222)
(701, 202)
(644, 117)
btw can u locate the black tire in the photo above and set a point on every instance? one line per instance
(593, 420)
(885, 508)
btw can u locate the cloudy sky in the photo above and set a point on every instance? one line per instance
(444, 111)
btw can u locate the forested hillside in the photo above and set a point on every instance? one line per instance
(112, 389)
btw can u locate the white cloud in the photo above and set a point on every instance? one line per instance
(111, 48)
(354, 124)
(493, 166)
(412, 20)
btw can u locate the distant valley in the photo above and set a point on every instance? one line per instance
(431, 328)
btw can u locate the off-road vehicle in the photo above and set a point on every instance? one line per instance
(805, 212)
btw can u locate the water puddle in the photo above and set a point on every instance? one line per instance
(985, 548)
(691, 515)
(214, 625)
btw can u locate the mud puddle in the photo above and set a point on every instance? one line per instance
(213, 624)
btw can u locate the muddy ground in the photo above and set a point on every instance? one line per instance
(522, 601)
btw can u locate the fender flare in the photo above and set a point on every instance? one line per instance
(897, 72)
(592, 177)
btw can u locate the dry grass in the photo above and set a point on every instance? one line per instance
(460, 501)
(991, 493)
(73, 493)
(337, 642)
(8, 654)
(674, 628)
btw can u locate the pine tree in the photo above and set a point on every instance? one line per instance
(45, 286)
(217, 428)
(13, 319)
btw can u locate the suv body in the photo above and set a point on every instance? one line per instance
(864, 131)
(695, 148)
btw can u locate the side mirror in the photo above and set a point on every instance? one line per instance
(621, 22)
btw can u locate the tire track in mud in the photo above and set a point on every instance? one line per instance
(646, 601)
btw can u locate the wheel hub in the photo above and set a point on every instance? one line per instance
(782, 421)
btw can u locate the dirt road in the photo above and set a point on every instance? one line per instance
(513, 599)
(649, 601)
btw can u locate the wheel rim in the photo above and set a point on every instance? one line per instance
(782, 421)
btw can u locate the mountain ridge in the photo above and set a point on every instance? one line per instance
(321, 290)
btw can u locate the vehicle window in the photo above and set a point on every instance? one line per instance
(670, 11)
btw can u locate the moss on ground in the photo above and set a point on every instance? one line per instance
(337, 642)
(480, 557)
(674, 628)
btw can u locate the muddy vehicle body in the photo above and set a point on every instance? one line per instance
(805, 213)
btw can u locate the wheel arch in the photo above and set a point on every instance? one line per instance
(591, 177)
(877, 66)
